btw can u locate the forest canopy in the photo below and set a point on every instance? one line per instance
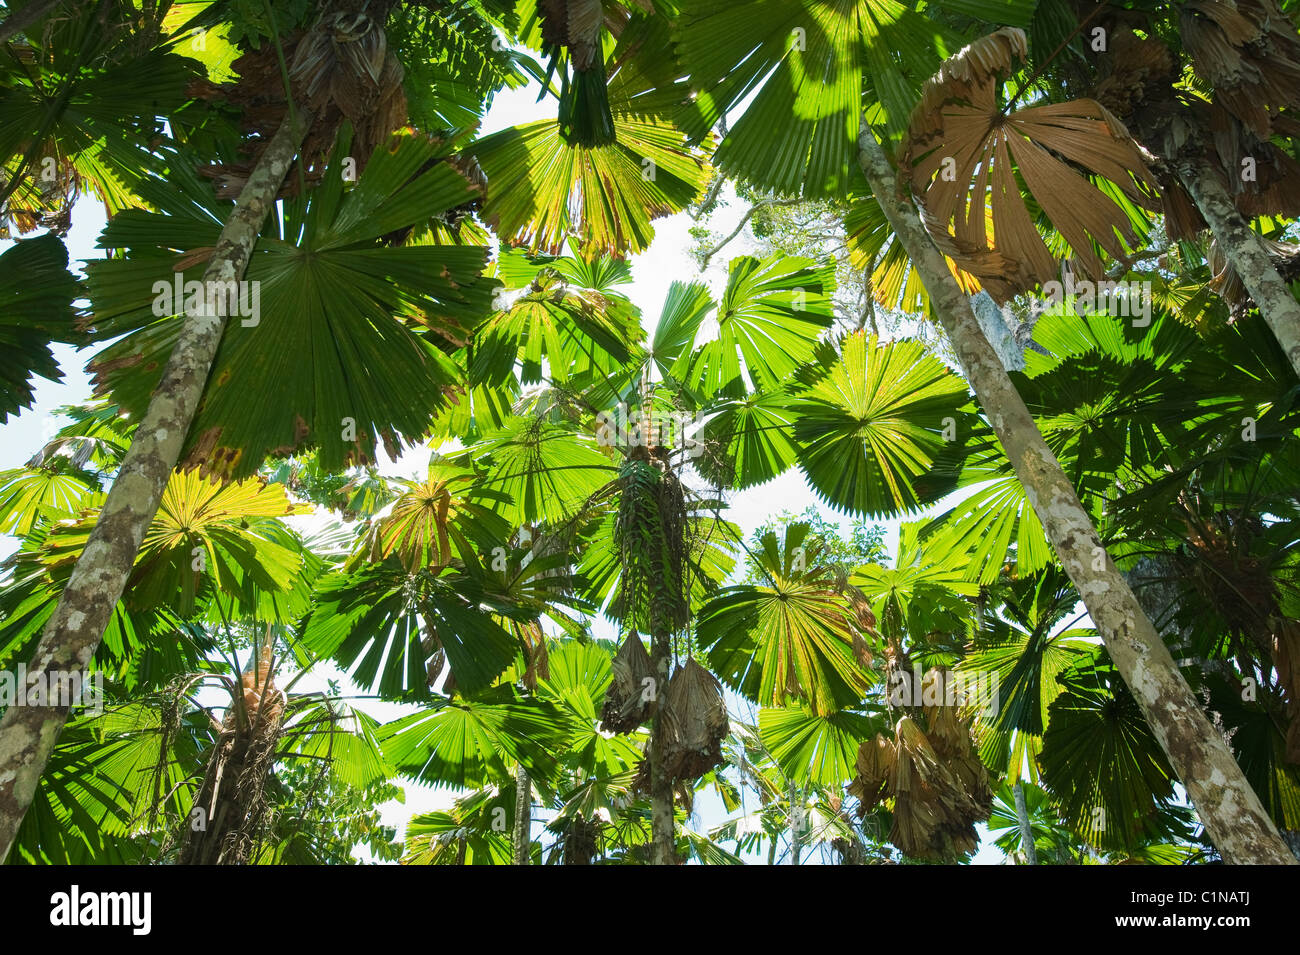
(945, 508)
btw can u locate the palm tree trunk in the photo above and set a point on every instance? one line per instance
(1245, 249)
(20, 20)
(523, 834)
(796, 824)
(1228, 807)
(663, 849)
(1026, 830)
(28, 733)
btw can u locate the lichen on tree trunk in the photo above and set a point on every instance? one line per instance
(28, 733)
(1245, 249)
(1026, 829)
(1230, 810)
(521, 841)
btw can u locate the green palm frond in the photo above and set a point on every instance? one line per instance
(353, 335)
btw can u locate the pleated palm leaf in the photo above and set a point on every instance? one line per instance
(76, 97)
(212, 553)
(634, 167)
(794, 638)
(36, 308)
(1108, 776)
(805, 65)
(324, 274)
(1023, 653)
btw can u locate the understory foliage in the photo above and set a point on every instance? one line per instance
(568, 626)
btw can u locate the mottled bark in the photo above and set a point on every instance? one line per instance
(663, 847)
(28, 733)
(521, 841)
(1231, 812)
(798, 820)
(1246, 250)
(1026, 830)
(999, 334)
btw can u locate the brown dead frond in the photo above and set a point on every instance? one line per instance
(692, 725)
(627, 704)
(939, 787)
(1248, 50)
(1227, 283)
(339, 70)
(966, 157)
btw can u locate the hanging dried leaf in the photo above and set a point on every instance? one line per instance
(864, 618)
(1227, 283)
(1249, 52)
(1263, 179)
(953, 741)
(585, 21)
(874, 767)
(627, 704)
(692, 726)
(1137, 74)
(965, 157)
(939, 787)
(341, 69)
(1135, 71)
(934, 814)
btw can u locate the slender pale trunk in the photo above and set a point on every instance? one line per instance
(1231, 812)
(797, 822)
(28, 733)
(1246, 250)
(523, 834)
(663, 850)
(1026, 830)
(663, 835)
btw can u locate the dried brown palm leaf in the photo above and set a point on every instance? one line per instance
(577, 24)
(1263, 179)
(950, 731)
(585, 21)
(627, 704)
(934, 814)
(1136, 71)
(939, 787)
(693, 723)
(864, 618)
(341, 70)
(1249, 52)
(966, 157)
(1137, 76)
(874, 766)
(1227, 283)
